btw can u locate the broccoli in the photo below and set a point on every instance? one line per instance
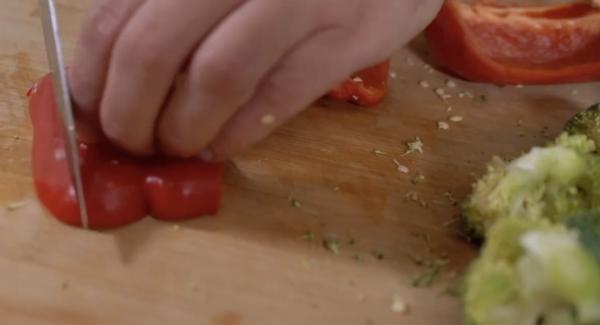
(534, 272)
(549, 182)
(586, 123)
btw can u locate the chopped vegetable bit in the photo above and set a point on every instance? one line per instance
(13, 206)
(378, 255)
(443, 125)
(418, 260)
(451, 222)
(450, 196)
(332, 244)
(430, 275)
(451, 84)
(401, 168)
(309, 236)
(424, 84)
(399, 305)
(295, 203)
(419, 178)
(456, 118)
(412, 196)
(415, 145)
(393, 75)
(379, 152)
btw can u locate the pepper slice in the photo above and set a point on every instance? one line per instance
(366, 87)
(509, 44)
(119, 189)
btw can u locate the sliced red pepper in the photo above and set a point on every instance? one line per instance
(366, 87)
(119, 189)
(509, 44)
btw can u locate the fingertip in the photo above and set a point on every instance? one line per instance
(125, 136)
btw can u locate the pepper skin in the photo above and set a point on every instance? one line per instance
(515, 44)
(119, 189)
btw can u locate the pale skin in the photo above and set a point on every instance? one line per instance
(212, 78)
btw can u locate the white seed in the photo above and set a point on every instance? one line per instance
(399, 305)
(424, 84)
(456, 118)
(443, 125)
(357, 79)
(393, 75)
(401, 168)
(267, 119)
(451, 84)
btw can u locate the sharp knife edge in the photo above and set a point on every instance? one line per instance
(63, 100)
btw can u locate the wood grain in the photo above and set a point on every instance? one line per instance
(251, 265)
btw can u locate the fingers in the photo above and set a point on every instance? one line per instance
(226, 70)
(87, 73)
(147, 56)
(300, 79)
(316, 67)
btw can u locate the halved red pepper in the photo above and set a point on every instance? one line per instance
(514, 44)
(119, 189)
(366, 87)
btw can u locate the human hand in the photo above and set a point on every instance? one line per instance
(212, 78)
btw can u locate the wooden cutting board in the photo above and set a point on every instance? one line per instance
(330, 173)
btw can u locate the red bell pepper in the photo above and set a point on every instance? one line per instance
(510, 44)
(119, 189)
(366, 87)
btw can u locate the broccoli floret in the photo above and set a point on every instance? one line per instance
(533, 272)
(548, 182)
(586, 123)
(588, 226)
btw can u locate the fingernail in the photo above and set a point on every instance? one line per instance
(207, 155)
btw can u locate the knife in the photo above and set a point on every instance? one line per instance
(63, 101)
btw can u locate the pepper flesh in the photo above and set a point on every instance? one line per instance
(119, 189)
(509, 44)
(366, 87)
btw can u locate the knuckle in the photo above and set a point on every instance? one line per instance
(104, 21)
(223, 77)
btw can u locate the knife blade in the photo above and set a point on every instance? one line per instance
(63, 101)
